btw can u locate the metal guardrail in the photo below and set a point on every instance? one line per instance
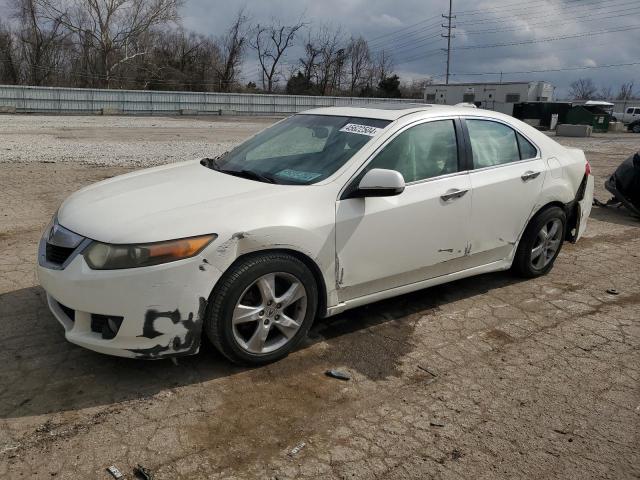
(25, 99)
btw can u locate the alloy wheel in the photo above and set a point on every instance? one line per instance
(269, 313)
(546, 244)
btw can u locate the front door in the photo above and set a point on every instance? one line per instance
(506, 182)
(387, 242)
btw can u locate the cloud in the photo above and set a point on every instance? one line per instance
(410, 30)
(385, 21)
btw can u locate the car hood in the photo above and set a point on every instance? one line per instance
(163, 203)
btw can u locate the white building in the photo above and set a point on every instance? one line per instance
(492, 96)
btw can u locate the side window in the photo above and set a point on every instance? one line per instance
(527, 150)
(629, 110)
(637, 110)
(492, 143)
(424, 151)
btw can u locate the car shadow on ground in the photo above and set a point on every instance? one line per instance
(618, 216)
(44, 374)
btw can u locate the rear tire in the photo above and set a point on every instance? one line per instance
(541, 243)
(261, 308)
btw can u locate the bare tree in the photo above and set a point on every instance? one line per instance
(181, 60)
(111, 27)
(358, 63)
(582, 89)
(605, 93)
(382, 66)
(309, 62)
(625, 92)
(41, 41)
(330, 59)
(233, 46)
(9, 63)
(415, 88)
(270, 43)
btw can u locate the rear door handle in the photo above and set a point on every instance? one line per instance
(453, 194)
(530, 175)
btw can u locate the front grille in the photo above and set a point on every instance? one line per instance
(100, 324)
(58, 255)
(69, 312)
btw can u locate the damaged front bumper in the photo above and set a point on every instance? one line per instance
(155, 311)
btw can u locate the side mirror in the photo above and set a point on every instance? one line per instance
(380, 182)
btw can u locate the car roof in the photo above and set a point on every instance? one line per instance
(394, 111)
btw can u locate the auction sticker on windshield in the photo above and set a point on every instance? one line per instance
(298, 175)
(360, 129)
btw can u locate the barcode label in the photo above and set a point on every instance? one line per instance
(360, 129)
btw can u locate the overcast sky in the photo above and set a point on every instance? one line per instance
(391, 24)
(410, 29)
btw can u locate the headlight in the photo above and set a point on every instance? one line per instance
(103, 256)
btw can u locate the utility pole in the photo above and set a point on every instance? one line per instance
(448, 36)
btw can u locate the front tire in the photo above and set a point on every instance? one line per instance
(261, 308)
(541, 243)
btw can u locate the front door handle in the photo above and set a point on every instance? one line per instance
(453, 194)
(529, 175)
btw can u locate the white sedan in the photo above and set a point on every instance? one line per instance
(324, 211)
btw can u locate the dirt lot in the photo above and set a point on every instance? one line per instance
(489, 377)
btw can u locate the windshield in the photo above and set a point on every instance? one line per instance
(300, 150)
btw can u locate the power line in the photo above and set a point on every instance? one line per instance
(408, 32)
(567, 69)
(551, 39)
(590, 8)
(586, 18)
(400, 30)
(515, 8)
(414, 43)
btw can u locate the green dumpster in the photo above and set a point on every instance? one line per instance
(589, 115)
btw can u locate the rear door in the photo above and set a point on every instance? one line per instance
(506, 181)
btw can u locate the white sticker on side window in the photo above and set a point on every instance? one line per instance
(360, 129)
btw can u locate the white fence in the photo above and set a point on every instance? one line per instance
(144, 102)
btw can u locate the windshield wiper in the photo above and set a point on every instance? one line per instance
(250, 174)
(213, 164)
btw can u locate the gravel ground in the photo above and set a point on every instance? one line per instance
(486, 378)
(125, 140)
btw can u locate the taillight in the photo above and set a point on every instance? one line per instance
(587, 168)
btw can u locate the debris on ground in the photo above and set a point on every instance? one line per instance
(613, 291)
(338, 374)
(115, 472)
(436, 423)
(144, 473)
(425, 369)
(295, 450)
(456, 454)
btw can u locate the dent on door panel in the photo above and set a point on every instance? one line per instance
(388, 242)
(503, 199)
